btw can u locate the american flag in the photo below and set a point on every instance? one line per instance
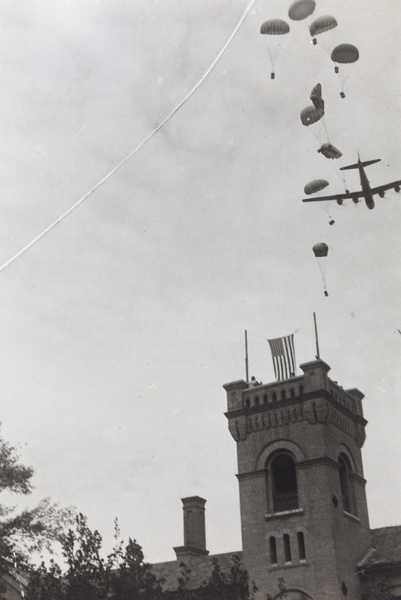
(283, 354)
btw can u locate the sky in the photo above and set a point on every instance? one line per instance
(122, 323)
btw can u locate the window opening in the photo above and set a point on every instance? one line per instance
(301, 546)
(273, 550)
(285, 491)
(345, 484)
(287, 548)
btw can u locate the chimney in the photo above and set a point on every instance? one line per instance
(194, 528)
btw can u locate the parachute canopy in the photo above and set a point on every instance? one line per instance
(301, 9)
(315, 186)
(322, 24)
(345, 53)
(320, 250)
(310, 115)
(316, 97)
(274, 27)
(330, 151)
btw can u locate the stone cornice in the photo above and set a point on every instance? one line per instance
(288, 402)
(304, 464)
(251, 474)
(358, 478)
(189, 550)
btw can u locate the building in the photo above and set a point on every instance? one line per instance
(304, 516)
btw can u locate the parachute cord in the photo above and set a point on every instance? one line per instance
(323, 268)
(325, 128)
(272, 60)
(326, 211)
(344, 181)
(136, 149)
(340, 176)
(343, 80)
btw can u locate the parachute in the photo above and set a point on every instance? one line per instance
(275, 28)
(315, 186)
(345, 54)
(301, 9)
(320, 25)
(310, 115)
(321, 251)
(316, 97)
(330, 151)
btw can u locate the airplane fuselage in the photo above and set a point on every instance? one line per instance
(368, 196)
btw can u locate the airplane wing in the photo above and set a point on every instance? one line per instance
(395, 185)
(389, 186)
(339, 197)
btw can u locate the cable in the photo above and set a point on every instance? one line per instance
(263, 337)
(120, 164)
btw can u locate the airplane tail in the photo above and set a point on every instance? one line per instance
(358, 164)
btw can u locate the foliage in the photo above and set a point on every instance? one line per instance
(123, 575)
(281, 591)
(233, 585)
(376, 588)
(30, 530)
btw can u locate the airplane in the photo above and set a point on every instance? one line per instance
(366, 192)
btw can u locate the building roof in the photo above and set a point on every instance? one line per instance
(385, 552)
(199, 569)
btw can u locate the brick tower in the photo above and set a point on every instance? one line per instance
(304, 514)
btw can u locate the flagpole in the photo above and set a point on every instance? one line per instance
(316, 338)
(246, 357)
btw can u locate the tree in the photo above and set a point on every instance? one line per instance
(133, 580)
(122, 575)
(87, 573)
(281, 593)
(46, 583)
(232, 585)
(377, 588)
(30, 530)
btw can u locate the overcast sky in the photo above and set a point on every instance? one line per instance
(121, 325)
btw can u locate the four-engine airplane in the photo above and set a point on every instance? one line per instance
(366, 192)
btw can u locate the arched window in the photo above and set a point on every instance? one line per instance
(248, 402)
(345, 483)
(292, 392)
(301, 546)
(283, 395)
(301, 390)
(274, 396)
(284, 483)
(265, 398)
(256, 400)
(287, 548)
(273, 550)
